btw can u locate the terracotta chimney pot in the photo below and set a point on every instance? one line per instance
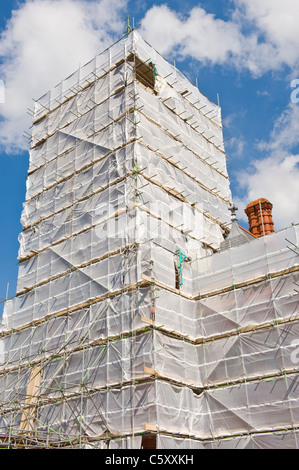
(259, 215)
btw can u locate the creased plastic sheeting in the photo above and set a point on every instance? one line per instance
(3, 350)
(157, 139)
(277, 440)
(200, 365)
(57, 167)
(153, 229)
(160, 265)
(177, 360)
(12, 384)
(74, 288)
(100, 444)
(252, 406)
(97, 67)
(116, 362)
(246, 407)
(76, 218)
(171, 175)
(119, 412)
(189, 113)
(107, 202)
(93, 122)
(81, 249)
(115, 271)
(84, 102)
(161, 234)
(168, 120)
(269, 254)
(81, 186)
(56, 163)
(89, 183)
(78, 186)
(110, 362)
(254, 354)
(175, 78)
(92, 244)
(180, 411)
(109, 318)
(101, 214)
(253, 305)
(272, 300)
(187, 218)
(106, 140)
(176, 313)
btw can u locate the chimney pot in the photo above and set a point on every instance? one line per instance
(259, 215)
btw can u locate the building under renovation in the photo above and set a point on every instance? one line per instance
(145, 316)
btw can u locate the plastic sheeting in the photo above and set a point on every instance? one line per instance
(254, 354)
(270, 254)
(266, 302)
(241, 408)
(277, 440)
(61, 422)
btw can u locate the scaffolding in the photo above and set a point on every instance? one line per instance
(102, 347)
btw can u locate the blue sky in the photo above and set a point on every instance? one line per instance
(247, 51)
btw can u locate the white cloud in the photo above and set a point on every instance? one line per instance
(236, 147)
(278, 21)
(276, 176)
(260, 35)
(199, 35)
(44, 41)
(285, 133)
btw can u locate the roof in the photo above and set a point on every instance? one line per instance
(236, 237)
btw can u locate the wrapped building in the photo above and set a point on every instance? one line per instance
(145, 317)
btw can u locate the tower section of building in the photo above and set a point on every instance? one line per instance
(126, 209)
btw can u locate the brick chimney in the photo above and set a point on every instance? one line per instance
(259, 215)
